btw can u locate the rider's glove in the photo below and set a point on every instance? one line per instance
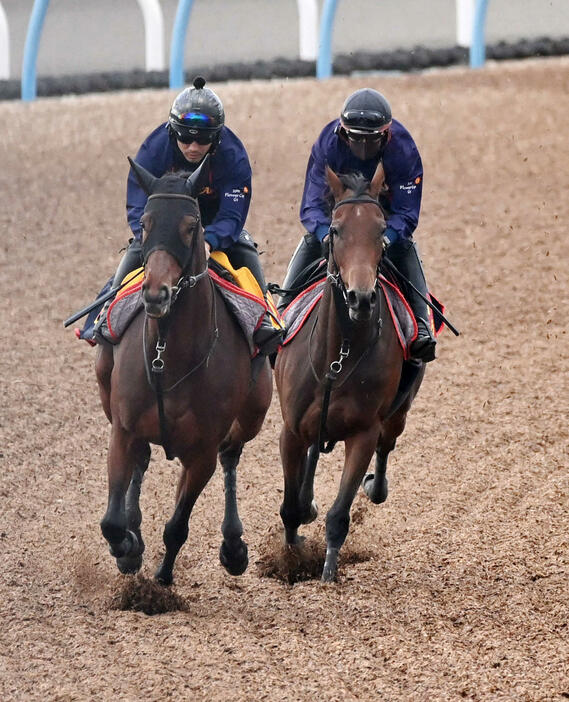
(389, 236)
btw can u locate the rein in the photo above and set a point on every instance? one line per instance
(340, 298)
(154, 374)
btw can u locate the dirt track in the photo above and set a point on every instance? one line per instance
(457, 587)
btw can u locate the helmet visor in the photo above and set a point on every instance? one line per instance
(366, 144)
(365, 119)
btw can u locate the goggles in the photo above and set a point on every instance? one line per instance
(365, 136)
(367, 119)
(199, 136)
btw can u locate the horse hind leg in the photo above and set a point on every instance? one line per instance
(307, 503)
(197, 470)
(233, 552)
(375, 485)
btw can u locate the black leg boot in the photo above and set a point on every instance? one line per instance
(131, 260)
(308, 251)
(405, 256)
(267, 337)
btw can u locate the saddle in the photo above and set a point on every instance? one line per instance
(238, 287)
(311, 282)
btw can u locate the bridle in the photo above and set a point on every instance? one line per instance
(340, 297)
(155, 370)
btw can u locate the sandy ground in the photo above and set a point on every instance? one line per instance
(455, 588)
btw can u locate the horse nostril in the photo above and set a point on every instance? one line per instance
(352, 298)
(164, 293)
(373, 298)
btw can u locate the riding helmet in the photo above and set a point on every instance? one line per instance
(366, 110)
(364, 123)
(197, 112)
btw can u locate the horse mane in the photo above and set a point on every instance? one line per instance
(356, 182)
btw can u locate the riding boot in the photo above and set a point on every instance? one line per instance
(267, 336)
(307, 252)
(405, 256)
(131, 260)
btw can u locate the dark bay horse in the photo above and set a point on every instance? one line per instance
(338, 378)
(180, 377)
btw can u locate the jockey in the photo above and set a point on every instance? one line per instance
(364, 135)
(196, 127)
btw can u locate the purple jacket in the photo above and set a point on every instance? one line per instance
(403, 177)
(224, 202)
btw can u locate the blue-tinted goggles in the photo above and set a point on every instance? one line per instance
(199, 136)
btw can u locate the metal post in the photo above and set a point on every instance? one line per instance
(307, 29)
(478, 48)
(177, 46)
(153, 34)
(4, 46)
(324, 63)
(31, 47)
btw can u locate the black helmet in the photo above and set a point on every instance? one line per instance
(364, 123)
(366, 111)
(197, 115)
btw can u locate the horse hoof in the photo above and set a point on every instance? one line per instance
(330, 569)
(312, 513)
(376, 496)
(329, 575)
(129, 565)
(235, 561)
(163, 576)
(126, 547)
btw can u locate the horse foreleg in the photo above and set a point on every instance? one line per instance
(359, 450)
(133, 561)
(198, 467)
(121, 460)
(233, 552)
(293, 460)
(103, 368)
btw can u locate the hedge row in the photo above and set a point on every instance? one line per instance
(415, 59)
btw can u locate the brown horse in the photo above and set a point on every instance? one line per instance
(180, 377)
(339, 378)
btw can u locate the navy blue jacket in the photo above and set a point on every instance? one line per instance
(403, 177)
(224, 202)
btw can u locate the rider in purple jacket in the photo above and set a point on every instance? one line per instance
(364, 135)
(196, 127)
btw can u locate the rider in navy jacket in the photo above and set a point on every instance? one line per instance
(364, 135)
(196, 127)
(224, 201)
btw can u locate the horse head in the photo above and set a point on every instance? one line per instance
(172, 241)
(356, 239)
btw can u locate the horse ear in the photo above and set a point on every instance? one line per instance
(145, 179)
(335, 183)
(377, 181)
(198, 178)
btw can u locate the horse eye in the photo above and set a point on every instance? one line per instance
(333, 231)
